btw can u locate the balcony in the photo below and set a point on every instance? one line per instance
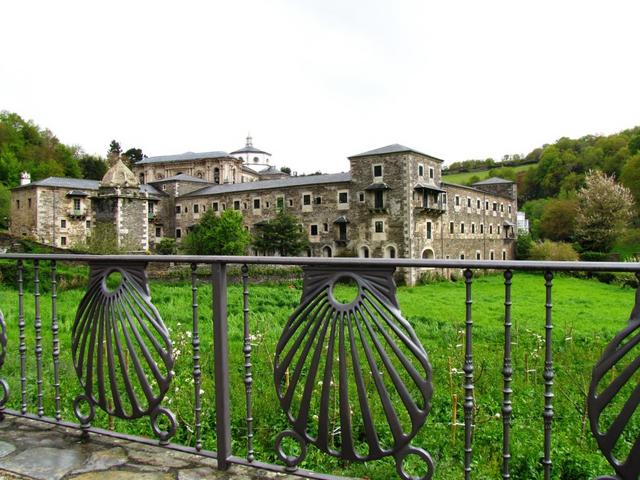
(349, 381)
(434, 209)
(77, 212)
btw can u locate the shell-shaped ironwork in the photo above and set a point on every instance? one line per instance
(614, 396)
(121, 348)
(353, 378)
(3, 339)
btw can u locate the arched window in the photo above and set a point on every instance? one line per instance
(141, 178)
(427, 253)
(390, 252)
(233, 175)
(364, 251)
(326, 252)
(256, 159)
(216, 175)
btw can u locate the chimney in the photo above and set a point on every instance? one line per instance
(25, 178)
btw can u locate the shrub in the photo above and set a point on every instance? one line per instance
(523, 246)
(594, 256)
(167, 246)
(549, 250)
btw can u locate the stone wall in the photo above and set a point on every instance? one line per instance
(202, 168)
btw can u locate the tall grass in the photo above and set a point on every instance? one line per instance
(587, 314)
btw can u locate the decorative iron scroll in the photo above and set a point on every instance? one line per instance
(606, 385)
(352, 378)
(3, 353)
(121, 348)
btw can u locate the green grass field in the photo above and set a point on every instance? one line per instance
(463, 178)
(587, 314)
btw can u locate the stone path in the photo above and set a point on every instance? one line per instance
(36, 450)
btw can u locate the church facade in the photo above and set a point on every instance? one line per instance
(391, 203)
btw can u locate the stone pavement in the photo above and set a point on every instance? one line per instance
(36, 450)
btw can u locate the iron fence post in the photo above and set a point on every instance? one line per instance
(221, 365)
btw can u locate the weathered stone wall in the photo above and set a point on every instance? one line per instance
(127, 209)
(48, 216)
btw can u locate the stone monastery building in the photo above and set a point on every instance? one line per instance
(391, 203)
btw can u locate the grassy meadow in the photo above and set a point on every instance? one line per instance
(587, 314)
(464, 177)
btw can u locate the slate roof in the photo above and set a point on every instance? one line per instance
(270, 184)
(182, 177)
(73, 183)
(249, 150)
(77, 184)
(492, 181)
(394, 148)
(182, 157)
(272, 170)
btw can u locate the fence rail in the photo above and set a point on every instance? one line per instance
(335, 367)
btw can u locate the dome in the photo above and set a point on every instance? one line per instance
(119, 175)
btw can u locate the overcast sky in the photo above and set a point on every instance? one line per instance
(317, 81)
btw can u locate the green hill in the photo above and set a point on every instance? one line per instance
(465, 178)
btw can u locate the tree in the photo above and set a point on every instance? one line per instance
(630, 177)
(605, 209)
(115, 148)
(282, 235)
(285, 170)
(218, 235)
(132, 156)
(558, 219)
(92, 167)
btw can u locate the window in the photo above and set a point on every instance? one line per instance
(325, 227)
(29, 202)
(342, 232)
(498, 227)
(317, 201)
(429, 233)
(377, 171)
(268, 204)
(291, 202)
(491, 255)
(477, 255)
(215, 206)
(361, 197)
(391, 252)
(244, 205)
(224, 206)
(482, 228)
(256, 203)
(63, 241)
(468, 202)
(431, 172)
(495, 206)
(502, 207)
(450, 227)
(216, 175)
(364, 252)
(88, 223)
(490, 229)
(379, 226)
(178, 208)
(504, 255)
(314, 230)
(486, 205)
(478, 204)
(509, 209)
(76, 204)
(17, 203)
(63, 223)
(279, 203)
(461, 227)
(462, 256)
(378, 199)
(236, 204)
(178, 233)
(421, 170)
(306, 199)
(196, 208)
(473, 228)
(343, 197)
(158, 231)
(457, 201)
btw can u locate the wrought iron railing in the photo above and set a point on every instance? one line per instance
(122, 355)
